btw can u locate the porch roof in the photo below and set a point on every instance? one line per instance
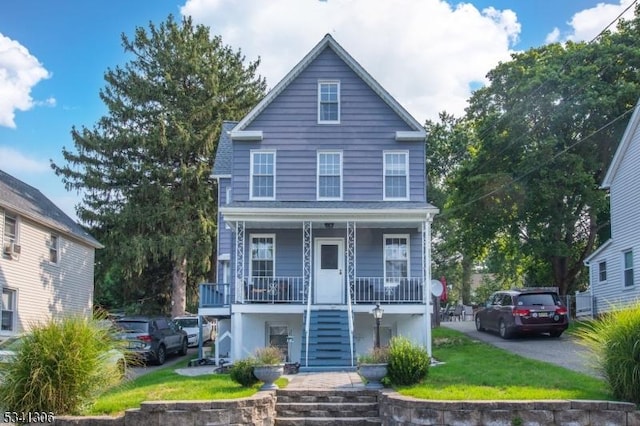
(281, 212)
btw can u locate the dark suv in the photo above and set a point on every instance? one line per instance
(152, 338)
(529, 310)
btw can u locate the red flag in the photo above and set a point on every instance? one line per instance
(443, 296)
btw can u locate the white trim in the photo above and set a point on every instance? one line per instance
(225, 257)
(275, 215)
(384, 175)
(273, 238)
(317, 259)
(251, 154)
(624, 270)
(246, 135)
(14, 316)
(384, 253)
(598, 251)
(411, 136)
(623, 145)
(599, 271)
(320, 83)
(55, 247)
(318, 197)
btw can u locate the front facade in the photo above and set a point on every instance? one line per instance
(614, 280)
(47, 260)
(322, 215)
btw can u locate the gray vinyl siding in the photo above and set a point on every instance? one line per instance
(625, 232)
(367, 128)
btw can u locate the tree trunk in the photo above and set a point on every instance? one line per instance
(467, 271)
(179, 288)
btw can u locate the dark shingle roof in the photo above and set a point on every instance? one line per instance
(18, 197)
(224, 152)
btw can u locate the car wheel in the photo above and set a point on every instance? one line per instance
(479, 326)
(183, 348)
(555, 333)
(503, 330)
(161, 355)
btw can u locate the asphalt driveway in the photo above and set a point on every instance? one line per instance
(564, 351)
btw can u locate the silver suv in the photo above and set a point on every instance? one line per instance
(152, 338)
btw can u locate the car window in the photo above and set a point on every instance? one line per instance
(134, 326)
(506, 300)
(187, 322)
(537, 299)
(161, 323)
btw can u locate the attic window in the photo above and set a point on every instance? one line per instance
(328, 102)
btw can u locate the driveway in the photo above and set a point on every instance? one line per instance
(134, 372)
(564, 351)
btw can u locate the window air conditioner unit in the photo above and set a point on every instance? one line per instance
(12, 249)
(15, 248)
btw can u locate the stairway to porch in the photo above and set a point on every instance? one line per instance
(329, 342)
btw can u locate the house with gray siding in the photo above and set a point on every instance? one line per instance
(323, 215)
(47, 259)
(614, 280)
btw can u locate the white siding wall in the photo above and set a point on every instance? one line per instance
(625, 232)
(46, 290)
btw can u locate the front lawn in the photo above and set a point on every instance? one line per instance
(474, 370)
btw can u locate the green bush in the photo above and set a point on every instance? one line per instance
(408, 362)
(614, 340)
(242, 372)
(60, 367)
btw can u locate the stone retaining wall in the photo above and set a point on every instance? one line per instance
(259, 409)
(396, 410)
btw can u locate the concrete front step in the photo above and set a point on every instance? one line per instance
(327, 409)
(320, 421)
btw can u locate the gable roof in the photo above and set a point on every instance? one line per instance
(224, 151)
(16, 196)
(329, 42)
(632, 128)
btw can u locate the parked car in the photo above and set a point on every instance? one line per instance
(529, 310)
(10, 347)
(152, 338)
(189, 323)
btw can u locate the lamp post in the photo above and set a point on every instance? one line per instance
(377, 314)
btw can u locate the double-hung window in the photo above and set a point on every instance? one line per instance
(396, 175)
(602, 271)
(53, 248)
(328, 102)
(262, 257)
(8, 310)
(329, 175)
(10, 236)
(628, 268)
(263, 175)
(396, 258)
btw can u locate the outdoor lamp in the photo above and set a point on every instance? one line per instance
(377, 314)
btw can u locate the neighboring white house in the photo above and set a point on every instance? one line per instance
(47, 259)
(613, 274)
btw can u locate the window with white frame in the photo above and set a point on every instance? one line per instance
(396, 257)
(628, 268)
(262, 256)
(53, 248)
(396, 175)
(329, 175)
(10, 235)
(263, 173)
(278, 338)
(8, 310)
(328, 102)
(602, 271)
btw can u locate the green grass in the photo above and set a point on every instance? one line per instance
(477, 371)
(166, 385)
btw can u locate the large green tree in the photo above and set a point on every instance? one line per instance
(144, 167)
(545, 130)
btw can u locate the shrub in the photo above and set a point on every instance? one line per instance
(408, 362)
(60, 366)
(269, 356)
(375, 356)
(242, 372)
(613, 339)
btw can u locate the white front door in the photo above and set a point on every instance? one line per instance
(329, 267)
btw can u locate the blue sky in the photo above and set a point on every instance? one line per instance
(428, 54)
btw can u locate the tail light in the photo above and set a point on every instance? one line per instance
(519, 312)
(145, 338)
(561, 310)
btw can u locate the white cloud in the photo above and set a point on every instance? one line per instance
(15, 162)
(426, 53)
(19, 72)
(587, 24)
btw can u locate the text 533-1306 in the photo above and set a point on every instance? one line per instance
(28, 417)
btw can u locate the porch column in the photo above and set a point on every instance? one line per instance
(240, 227)
(351, 258)
(236, 336)
(426, 277)
(306, 259)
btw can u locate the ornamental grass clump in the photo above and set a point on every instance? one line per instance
(60, 367)
(375, 356)
(408, 362)
(269, 355)
(614, 340)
